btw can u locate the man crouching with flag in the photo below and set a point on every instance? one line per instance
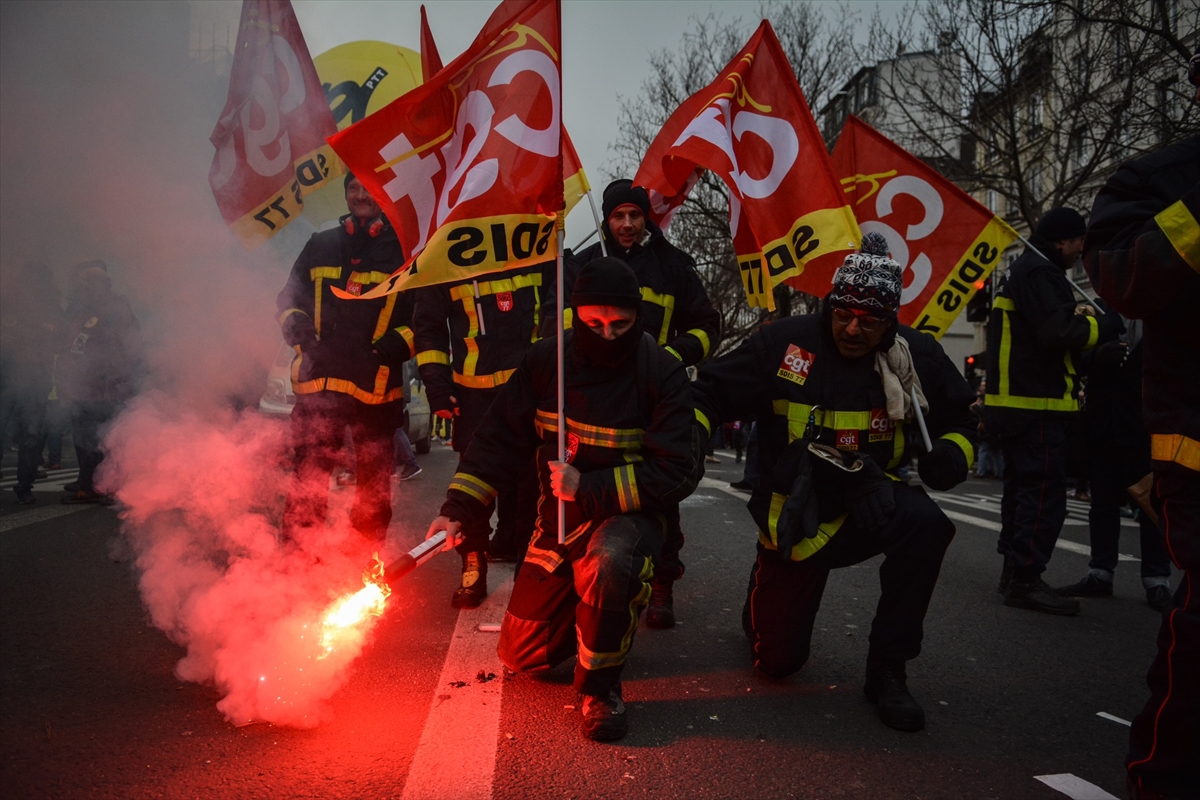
(629, 459)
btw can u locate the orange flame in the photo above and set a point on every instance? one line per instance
(349, 611)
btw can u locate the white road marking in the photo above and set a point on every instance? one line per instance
(723, 486)
(22, 518)
(55, 479)
(458, 746)
(1074, 787)
(1074, 518)
(1107, 715)
(1062, 544)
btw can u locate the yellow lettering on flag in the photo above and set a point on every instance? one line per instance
(818, 233)
(311, 172)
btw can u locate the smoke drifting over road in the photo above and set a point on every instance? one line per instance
(106, 155)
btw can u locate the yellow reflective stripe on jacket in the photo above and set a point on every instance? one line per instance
(673, 352)
(627, 491)
(703, 420)
(704, 343)
(1182, 231)
(1177, 448)
(806, 548)
(1004, 398)
(595, 435)
(897, 446)
(475, 487)
(288, 312)
(549, 558)
(385, 316)
(325, 272)
(367, 278)
(472, 356)
(379, 396)
(484, 381)
(567, 318)
(797, 416)
(407, 335)
(1093, 332)
(318, 275)
(667, 301)
(593, 660)
(964, 444)
(486, 288)
(433, 357)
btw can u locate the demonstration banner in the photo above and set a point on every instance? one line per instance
(467, 166)
(752, 128)
(270, 139)
(946, 242)
(575, 182)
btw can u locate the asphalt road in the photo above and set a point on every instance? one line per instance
(90, 706)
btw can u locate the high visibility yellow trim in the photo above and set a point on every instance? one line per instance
(897, 445)
(333, 273)
(567, 318)
(406, 334)
(288, 312)
(1093, 332)
(673, 352)
(1177, 448)
(703, 420)
(1004, 303)
(704, 342)
(596, 435)
(667, 301)
(433, 357)
(551, 559)
(487, 288)
(385, 316)
(627, 492)
(380, 395)
(1182, 231)
(468, 484)
(797, 416)
(496, 379)
(806, 548)
(593, 660)
(1003, 398)
(368, 278)
(964, 444)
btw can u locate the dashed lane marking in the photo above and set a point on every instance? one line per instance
(1074, 787)
(1106, 715)
(22, 518)
(458, 745)
(1061, 544)
(722, 486)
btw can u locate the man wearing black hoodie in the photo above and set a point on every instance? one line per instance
(1036, 334)
(675, 311)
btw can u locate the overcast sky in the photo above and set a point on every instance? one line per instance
(606, 50)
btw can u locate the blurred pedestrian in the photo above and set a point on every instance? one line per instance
(989, 462)
(406, 466)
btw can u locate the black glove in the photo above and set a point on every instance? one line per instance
(314, 356)
(1111, 355)
(944, 467)
(392, 350)
(870, 499)
(798, 518)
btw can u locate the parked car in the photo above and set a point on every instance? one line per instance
(278, 399)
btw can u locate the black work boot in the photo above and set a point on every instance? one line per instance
(1090, 586)
(1005, 577)
(1037, 596)
(887, 687)
(474, 582)
(604, 716)
(661, 613)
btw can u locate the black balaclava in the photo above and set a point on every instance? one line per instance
(606, 282)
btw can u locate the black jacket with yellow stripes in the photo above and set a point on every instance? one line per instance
(675, 308)
(1143, 253)
(791, 369)
(357, 347)
(629, 432)
(1035, 339)
(473, 334)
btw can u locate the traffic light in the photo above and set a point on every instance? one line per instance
(974, 366)
(980, 306)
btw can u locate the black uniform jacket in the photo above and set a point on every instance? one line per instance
(675, 308)
(472, 334)
(356, 347)
(1143, 253)
(791, 369)
(629, 432)
(1035, 339)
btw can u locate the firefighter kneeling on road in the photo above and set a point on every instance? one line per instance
(630, 457)
(831, 394)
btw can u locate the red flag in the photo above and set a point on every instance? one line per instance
(468, 166)
(431, 62)
(575, 182)
(270, 139)
(752, 127)
(946, 242)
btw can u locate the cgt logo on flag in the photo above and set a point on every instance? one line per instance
(796, 363)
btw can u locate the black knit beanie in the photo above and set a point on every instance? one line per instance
(1061, 223)
(606, 282)
(622, 192)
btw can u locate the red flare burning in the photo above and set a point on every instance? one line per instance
(348, 612)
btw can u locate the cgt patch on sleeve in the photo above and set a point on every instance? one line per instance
(796, 364)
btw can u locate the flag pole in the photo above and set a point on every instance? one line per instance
(1074, 285)
(562, 393)
(596, 217)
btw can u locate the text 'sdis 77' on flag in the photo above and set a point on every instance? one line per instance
(468, 166)
(946, 242)
(752, 128)
(575, 182)
(270, 139)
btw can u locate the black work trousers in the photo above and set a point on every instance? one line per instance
(588, 607)
(89, 421)
(1112, 470)
(29, 432)
(1164, 741)
(319, 422)
(1034, 504)
(784, 595)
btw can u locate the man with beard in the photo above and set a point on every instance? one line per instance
(629, 460)
(350, 369)
(675, 310)
(832, 395)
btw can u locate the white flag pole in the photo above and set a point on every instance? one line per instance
(596, 217)
(562, 393)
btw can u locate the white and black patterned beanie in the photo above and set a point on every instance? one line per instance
(868, 280)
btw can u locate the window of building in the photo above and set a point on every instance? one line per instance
(1079, 149)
